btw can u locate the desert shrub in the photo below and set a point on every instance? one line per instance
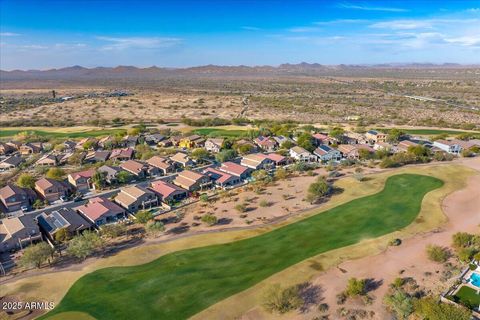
(282, 300)
(356, 287)
(437, 253)
(209, 219)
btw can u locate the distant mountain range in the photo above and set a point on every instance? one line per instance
(130, 72)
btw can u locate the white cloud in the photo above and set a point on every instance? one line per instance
(138, 42)
(9, 34)
(304, 29)
(340, 21)
(370, 8)
(250, 28)
(403, 24)
(468, 41)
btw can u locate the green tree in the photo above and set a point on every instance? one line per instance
(124, 177)
(62, 235)
(38, 204)
(99, 179)
(245, 148)
(305, 140)
(282, 300)
(36, 254)
(83, 245)
(143, 216)
(337, 133)
(26, 180)
(431, 309)
(76, 158)
(356, 287)
(55, 173)
(317, 190)
(394, 135)
(204, 197)
(226, 155)
(281, 174)
(209, 219)
(155, 228)
(462, 240)
(200, 154)
(287, 144)
(113, 230)
(400, 304)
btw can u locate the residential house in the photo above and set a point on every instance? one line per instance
(137, 168)
(107, 142)
(182, 160)
(130, 141)
(100, 211)
(235, 169)
(69, 145)
(135, 198)
(48, 160)
(82, 181)
(383, 146)
(11, 162)
(110, 173)
(326, 153)
(5, 149)
(14, 198)
(320, 138)
(375, 136)
(214, 144)
(123, 154)
(31, 148)
(97, 156)
(14, 144)
(300, 154)
(266, 143)
(51, 190)
(256, 161)
(243, 142)
(164, 165)
(191, 180)
(168, 192)
(278, 159)
(64, 218)
(405, 144)
(193, 141)
(86, 144)
(154, 138)
(220, 178)
(282, 139)
(18, 232)
(350, 151)
(450, 146)
(165, 143)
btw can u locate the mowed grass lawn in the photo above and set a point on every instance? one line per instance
(180, 284)
(467, 296)
(432, 132)
(58, 134)
(221, 133)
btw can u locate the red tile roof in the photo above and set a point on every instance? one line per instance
(165, 189)
(234, 168)
(98, 207)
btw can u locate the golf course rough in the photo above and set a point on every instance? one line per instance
(181, 284)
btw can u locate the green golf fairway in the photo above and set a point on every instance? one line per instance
(181, 284)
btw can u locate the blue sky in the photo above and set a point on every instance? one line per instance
(55, 33)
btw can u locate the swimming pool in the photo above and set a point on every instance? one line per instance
(475, 279)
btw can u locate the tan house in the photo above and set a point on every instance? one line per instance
(13, 197)
(191, 180)
(136, 198)
(5, 148)
(18, 232)
(375, 136)
(11, 162)
(48, 160)
(405, 144)
(164, 165)
(182, 159)
(31, 148)
(214, 144)
(351, 151)
(137, 168)
(256, 161)
(51, 190)
(82, 181)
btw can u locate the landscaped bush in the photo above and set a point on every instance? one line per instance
(356, 287)
(209, 219)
